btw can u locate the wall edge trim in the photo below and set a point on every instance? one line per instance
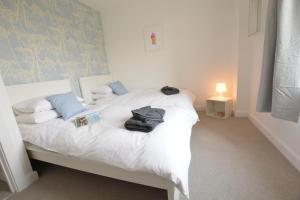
(289, 154)
(240, 113)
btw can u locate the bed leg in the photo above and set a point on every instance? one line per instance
(173, 193)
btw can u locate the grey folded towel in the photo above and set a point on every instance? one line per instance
(137, 125)
(169, 90)
(148, 113)
(145, 119)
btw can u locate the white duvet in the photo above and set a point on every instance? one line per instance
(165, 151)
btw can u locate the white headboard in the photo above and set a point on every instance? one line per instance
(18, 93)
(92, 82)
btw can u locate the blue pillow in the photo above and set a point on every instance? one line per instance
(118, 88)
(66, 104)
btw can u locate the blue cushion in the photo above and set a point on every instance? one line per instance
(66, 104)
(118, 88)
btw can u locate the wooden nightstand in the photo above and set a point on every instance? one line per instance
(219, 107)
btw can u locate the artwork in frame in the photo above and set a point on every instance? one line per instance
(153, 36)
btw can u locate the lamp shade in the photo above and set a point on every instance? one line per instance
(221, 87)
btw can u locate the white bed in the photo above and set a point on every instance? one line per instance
(155, 159)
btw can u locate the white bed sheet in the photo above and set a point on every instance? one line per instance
(165, 151)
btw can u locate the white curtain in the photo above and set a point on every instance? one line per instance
(279, 91)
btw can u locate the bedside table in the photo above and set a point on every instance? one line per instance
(219, 107)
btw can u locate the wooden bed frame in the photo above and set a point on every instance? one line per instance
(19, 93)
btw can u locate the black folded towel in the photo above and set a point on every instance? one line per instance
(169, 90)
(137, 125)
(145, 119)
(148, 113)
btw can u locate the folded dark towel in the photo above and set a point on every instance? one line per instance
(148, 113)
(169, 90)
(145, 119)
(137, 125)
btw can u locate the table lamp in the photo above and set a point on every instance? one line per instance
(220, 88)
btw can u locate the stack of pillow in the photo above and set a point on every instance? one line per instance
(101, 93)
(34, 111)
(110, 90)
(40, 110)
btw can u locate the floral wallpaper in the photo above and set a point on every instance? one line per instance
(43, 40)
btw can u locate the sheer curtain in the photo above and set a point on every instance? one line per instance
(279, 91)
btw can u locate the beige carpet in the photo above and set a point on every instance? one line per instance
(231, 160)
(4, 190)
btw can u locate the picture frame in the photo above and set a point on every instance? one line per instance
(153, 38)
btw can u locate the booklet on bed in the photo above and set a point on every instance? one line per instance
(87, 119)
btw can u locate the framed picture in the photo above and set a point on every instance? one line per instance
(153, 36)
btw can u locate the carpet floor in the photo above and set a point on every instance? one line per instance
(4, 190)
(231, 160)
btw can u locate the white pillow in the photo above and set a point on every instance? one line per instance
(96, 97)
(81, 100)
(37, 118)
(102, 90)
(32, 106)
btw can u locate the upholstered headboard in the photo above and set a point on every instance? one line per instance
(92, 82)
(18, 93)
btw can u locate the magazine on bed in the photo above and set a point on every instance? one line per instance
(87, 119)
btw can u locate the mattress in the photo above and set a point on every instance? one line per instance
(165, 151)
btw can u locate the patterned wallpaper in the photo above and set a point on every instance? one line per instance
(43, 40)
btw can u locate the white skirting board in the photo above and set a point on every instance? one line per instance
(283, 148)
(239, 113)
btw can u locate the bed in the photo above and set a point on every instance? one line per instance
(136, 152)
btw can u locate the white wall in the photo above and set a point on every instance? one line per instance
(13, 156)
(200, 43)
(243, 74)
(285, 135)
